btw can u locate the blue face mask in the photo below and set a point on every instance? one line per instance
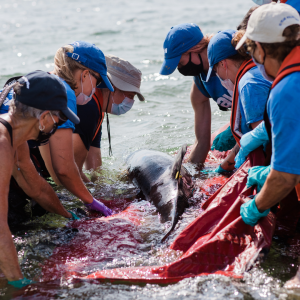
(262, 70)
(261, 2)
(123, 107)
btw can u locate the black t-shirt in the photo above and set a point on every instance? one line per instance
(89, 116)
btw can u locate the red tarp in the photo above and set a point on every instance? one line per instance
(218, 241)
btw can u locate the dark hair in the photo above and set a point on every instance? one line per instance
(243, 25)
(280, 51)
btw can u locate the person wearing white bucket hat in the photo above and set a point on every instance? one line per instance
(272, 38)
(126, 80)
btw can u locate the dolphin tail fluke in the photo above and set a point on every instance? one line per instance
(176, 167)
(169, 232)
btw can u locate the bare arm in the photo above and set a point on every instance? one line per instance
(34, 185)
(80, 154)
(94, 159)
(277, 186)
(202, 111)
(8, 254)
(64, 166)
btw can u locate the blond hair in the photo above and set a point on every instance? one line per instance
(65, 67)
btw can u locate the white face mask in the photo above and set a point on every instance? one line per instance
(262, 70)
(82, 98)
(227, 83)
(123, 107)
(261, 2)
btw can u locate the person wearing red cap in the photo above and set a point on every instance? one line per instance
(38, 107)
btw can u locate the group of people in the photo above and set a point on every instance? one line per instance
(252, 70)
(50, 125)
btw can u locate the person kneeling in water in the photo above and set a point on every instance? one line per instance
(126, 80)
(39, 105)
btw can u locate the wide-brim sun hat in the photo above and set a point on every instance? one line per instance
(268, 22)
(124, 75)
(179, 40)
(91, 57)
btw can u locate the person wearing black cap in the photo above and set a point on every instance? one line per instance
(39, 105)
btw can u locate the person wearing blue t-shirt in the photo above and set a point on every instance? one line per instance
(272, 38)
(253, 88)
(185, 48)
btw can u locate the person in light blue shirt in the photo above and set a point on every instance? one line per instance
(253, 95)
(253, 88)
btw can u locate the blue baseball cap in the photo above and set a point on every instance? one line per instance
(179, 39)
(91, 57)
(220, 48)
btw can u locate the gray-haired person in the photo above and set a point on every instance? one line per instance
(126, 80)
(38, 106)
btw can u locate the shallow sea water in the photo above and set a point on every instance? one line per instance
(31, 32)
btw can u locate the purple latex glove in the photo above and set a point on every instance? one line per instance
(99, 206)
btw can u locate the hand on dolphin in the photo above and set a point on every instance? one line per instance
(99, 206)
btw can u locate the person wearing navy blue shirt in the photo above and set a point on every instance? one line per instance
(185, 48)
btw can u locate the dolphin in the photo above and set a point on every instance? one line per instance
(163, 181)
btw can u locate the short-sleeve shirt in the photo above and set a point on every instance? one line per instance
(91, 116)
(71, 104)
(214, 89)
(283, 110)
(5, 106)
(253, 95)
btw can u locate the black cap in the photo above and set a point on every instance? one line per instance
(44, 91)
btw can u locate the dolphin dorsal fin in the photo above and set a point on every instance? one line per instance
(176, 167)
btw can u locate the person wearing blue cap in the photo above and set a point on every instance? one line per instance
(238, 72)
(185, 48)
(38, 106)
(82, 67)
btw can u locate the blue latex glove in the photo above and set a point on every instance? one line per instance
(220, 170)
(250, 141)
(250, 213)
(20, 283)
(99, 206)
(257, 176)
(74, 217)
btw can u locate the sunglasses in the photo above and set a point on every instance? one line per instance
(98, 78)
(247, 51)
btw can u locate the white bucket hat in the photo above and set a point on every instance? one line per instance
(124, 75)
(267, 23)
